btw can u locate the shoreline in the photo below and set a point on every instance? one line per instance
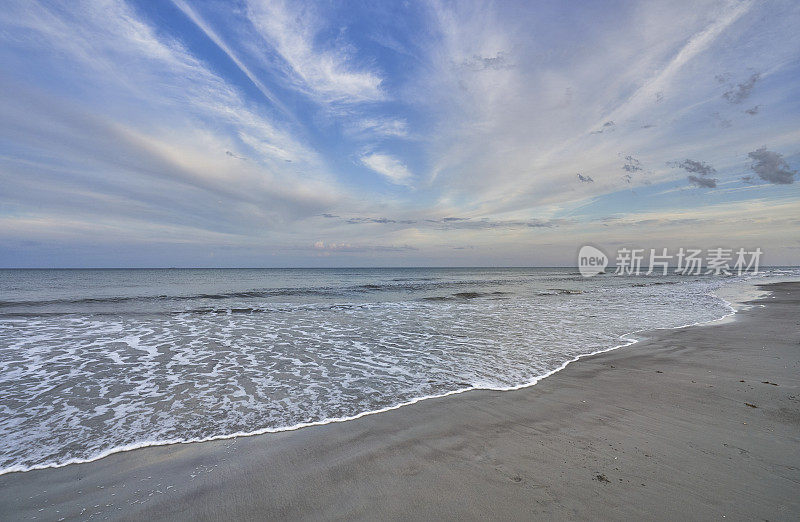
(627, 337)
(705, 418)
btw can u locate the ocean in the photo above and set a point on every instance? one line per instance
(98, 361)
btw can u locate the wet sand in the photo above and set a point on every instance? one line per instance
(699, 423)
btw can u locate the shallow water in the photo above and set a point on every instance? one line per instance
(96, 360)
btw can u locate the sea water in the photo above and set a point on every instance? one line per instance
(98, 361)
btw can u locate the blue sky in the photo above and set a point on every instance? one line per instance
(261, 133)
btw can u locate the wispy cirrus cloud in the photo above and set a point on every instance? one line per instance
(511, 148)
(389, 167)
(201, 23)
(326, 72)
(376, 125)
(148, 110)
(381, 127)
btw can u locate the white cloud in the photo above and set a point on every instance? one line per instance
(392, 127)
(149, 120)
(516, 101)
(389, 167)
(325, 73)
(697, 44)
(214, 37)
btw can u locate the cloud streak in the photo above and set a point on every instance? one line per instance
(219, 42)
(325, 73)
(389, 167)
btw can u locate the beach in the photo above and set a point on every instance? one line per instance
(435, 260)
(698, 422)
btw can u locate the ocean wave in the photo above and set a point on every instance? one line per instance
(418, 284)
(561, 291)
(464, 295)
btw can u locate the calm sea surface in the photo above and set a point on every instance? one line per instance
(93, 361)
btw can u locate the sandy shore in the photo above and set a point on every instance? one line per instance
(699, 423)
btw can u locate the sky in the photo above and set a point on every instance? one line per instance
(259, 133)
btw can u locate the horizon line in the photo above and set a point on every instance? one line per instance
(316, 267)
